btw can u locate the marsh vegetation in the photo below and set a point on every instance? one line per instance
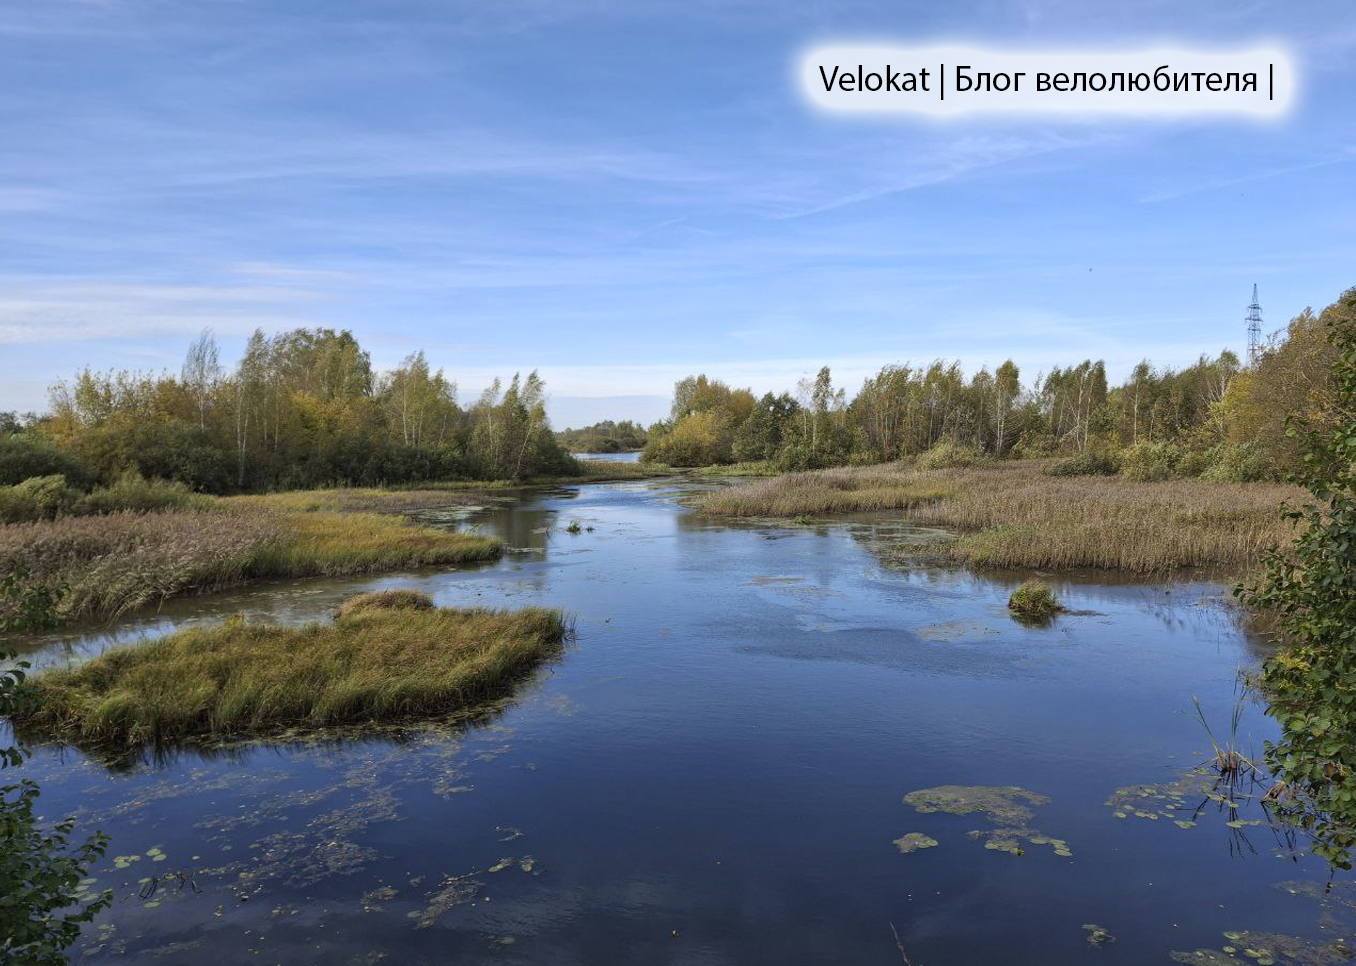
(385, 657)
(1013, 515)
(103, 566)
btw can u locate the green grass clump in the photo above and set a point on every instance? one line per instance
(1034, 600)
(399, 598)
(373, 665)
(331, 544)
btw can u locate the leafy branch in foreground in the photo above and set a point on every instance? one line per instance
(42, 901)
(1310, 589)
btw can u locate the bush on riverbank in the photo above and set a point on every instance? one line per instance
(51, 497)
(1014, 515)
(236, 679)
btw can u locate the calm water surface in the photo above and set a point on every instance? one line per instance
(713, 772)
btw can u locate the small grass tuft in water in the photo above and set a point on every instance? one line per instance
(375, 664)
(399, 598)
(1034, 601)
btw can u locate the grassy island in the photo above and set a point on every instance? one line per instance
(388, 657)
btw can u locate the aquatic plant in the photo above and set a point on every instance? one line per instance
(1034, 601)
(1267, 949)
(239, 679)
(574, 527)
(399, 598)
(1098, 935)
(1012, 515)
(1230, 763)
(913, 841)
(1001, 804)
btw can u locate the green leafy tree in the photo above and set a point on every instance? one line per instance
(1310, 588)
(41, 903)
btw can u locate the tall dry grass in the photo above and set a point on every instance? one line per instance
(111, 565)
(846, 489)
(1014, 515)
(238, 679)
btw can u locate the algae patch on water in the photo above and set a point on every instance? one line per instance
(1268, 949)
(1098, 935)
(914, 841)
(1005, 806)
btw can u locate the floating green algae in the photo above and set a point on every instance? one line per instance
(914, 841)
(1006, 807)
(1098, 935)
(1268, 949)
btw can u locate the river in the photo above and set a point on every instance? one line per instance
(714, 771)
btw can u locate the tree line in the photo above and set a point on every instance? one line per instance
(1216, 415)
(300, 409)
(306, 408)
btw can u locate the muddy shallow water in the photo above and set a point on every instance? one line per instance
(715, 771)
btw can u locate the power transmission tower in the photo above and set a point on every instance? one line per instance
(1254, 321)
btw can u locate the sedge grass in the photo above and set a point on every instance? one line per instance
(238, 680)
(1013, 515)
(1034, 601)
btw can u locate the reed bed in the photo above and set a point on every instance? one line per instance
(236, 680)
(888, 486)
(1012, 515)
(110, 565)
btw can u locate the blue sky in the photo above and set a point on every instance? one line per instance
(619, 194)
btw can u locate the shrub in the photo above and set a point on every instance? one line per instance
(948, 455)
(1238, 463)
(1034, 600)
(39, 498)
(1151, 462)
(1309, 590)
(132, 493)
(1086, 464)
(23, 457)
(399, 598)
(1193, 462)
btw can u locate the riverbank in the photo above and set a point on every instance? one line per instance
(387, 658)
(1013, 515)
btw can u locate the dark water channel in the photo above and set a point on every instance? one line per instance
(714, 772)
